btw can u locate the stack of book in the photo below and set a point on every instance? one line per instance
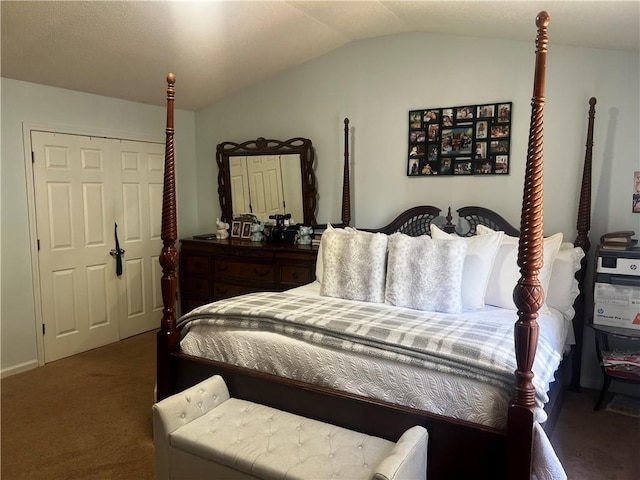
(618, 240)
(622, 363)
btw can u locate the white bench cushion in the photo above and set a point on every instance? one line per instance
(202, 433)
(269, 443)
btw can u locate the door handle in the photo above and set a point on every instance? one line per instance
(117, 252)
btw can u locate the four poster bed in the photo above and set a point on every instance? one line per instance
(356, 376)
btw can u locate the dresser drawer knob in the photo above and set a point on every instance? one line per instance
(261, 273)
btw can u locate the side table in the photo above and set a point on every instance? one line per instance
(619, 370)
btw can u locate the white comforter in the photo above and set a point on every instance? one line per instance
(400, 383)
(385, 379)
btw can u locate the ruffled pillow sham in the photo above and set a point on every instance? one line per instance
(563, 286)
(506, 273)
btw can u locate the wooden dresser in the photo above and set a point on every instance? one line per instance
(215, 269)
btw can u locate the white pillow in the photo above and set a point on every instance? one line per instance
(478, 261)
(319, 263)
(354, 265)
(506, 273)
(425, 274)
(563, 286)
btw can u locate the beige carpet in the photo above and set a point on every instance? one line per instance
(625, 405)
(600, 445)
(83, 417)
(89, 417)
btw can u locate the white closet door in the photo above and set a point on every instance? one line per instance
(292, 187)
(138, 173)
(83, 187)
(240, 198)
(265, 185)
(74, 213)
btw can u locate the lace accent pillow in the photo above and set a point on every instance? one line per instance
(354, 265)
(425, 273)
(506, 273)
(478, 261)
(563, 286)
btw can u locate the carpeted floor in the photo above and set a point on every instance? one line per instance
(600, 445)
(88, 417)
(626, 405)
(82, 417)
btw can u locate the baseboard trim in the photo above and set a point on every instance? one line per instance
(22, 367)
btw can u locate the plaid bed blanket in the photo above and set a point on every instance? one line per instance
(477, 345)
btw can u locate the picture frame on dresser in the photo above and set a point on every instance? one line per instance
(246, 229)
(236, 227)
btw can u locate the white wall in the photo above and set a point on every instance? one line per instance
(31, 103)
(376, 82)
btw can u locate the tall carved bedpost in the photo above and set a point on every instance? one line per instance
(168, 339)
(528, 295)
(346, 189)
(582, 240)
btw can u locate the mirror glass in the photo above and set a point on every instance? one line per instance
(267, 177)
(265, 185)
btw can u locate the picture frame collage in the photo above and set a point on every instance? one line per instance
(463, 140)
(241, 226)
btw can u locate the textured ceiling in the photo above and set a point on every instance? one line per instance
(124, 49)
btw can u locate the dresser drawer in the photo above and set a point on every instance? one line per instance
(213, 269)
(295, 274)
(255, 272)
(197, 286)
(197, 264)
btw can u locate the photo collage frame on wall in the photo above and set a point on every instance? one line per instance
(464, 140)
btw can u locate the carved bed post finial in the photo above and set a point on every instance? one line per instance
(449, 227)
(346, 189)
(583, 226)
(528, 295)
(168, 338)
(584, 208)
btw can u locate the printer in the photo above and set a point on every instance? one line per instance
(617, 288)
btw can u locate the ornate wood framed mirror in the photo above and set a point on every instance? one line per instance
(265, 177)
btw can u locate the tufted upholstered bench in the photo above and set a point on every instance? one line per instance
(203, 433)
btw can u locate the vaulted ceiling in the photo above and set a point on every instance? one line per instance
(124, 49)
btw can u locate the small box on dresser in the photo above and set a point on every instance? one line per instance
(212, 269)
